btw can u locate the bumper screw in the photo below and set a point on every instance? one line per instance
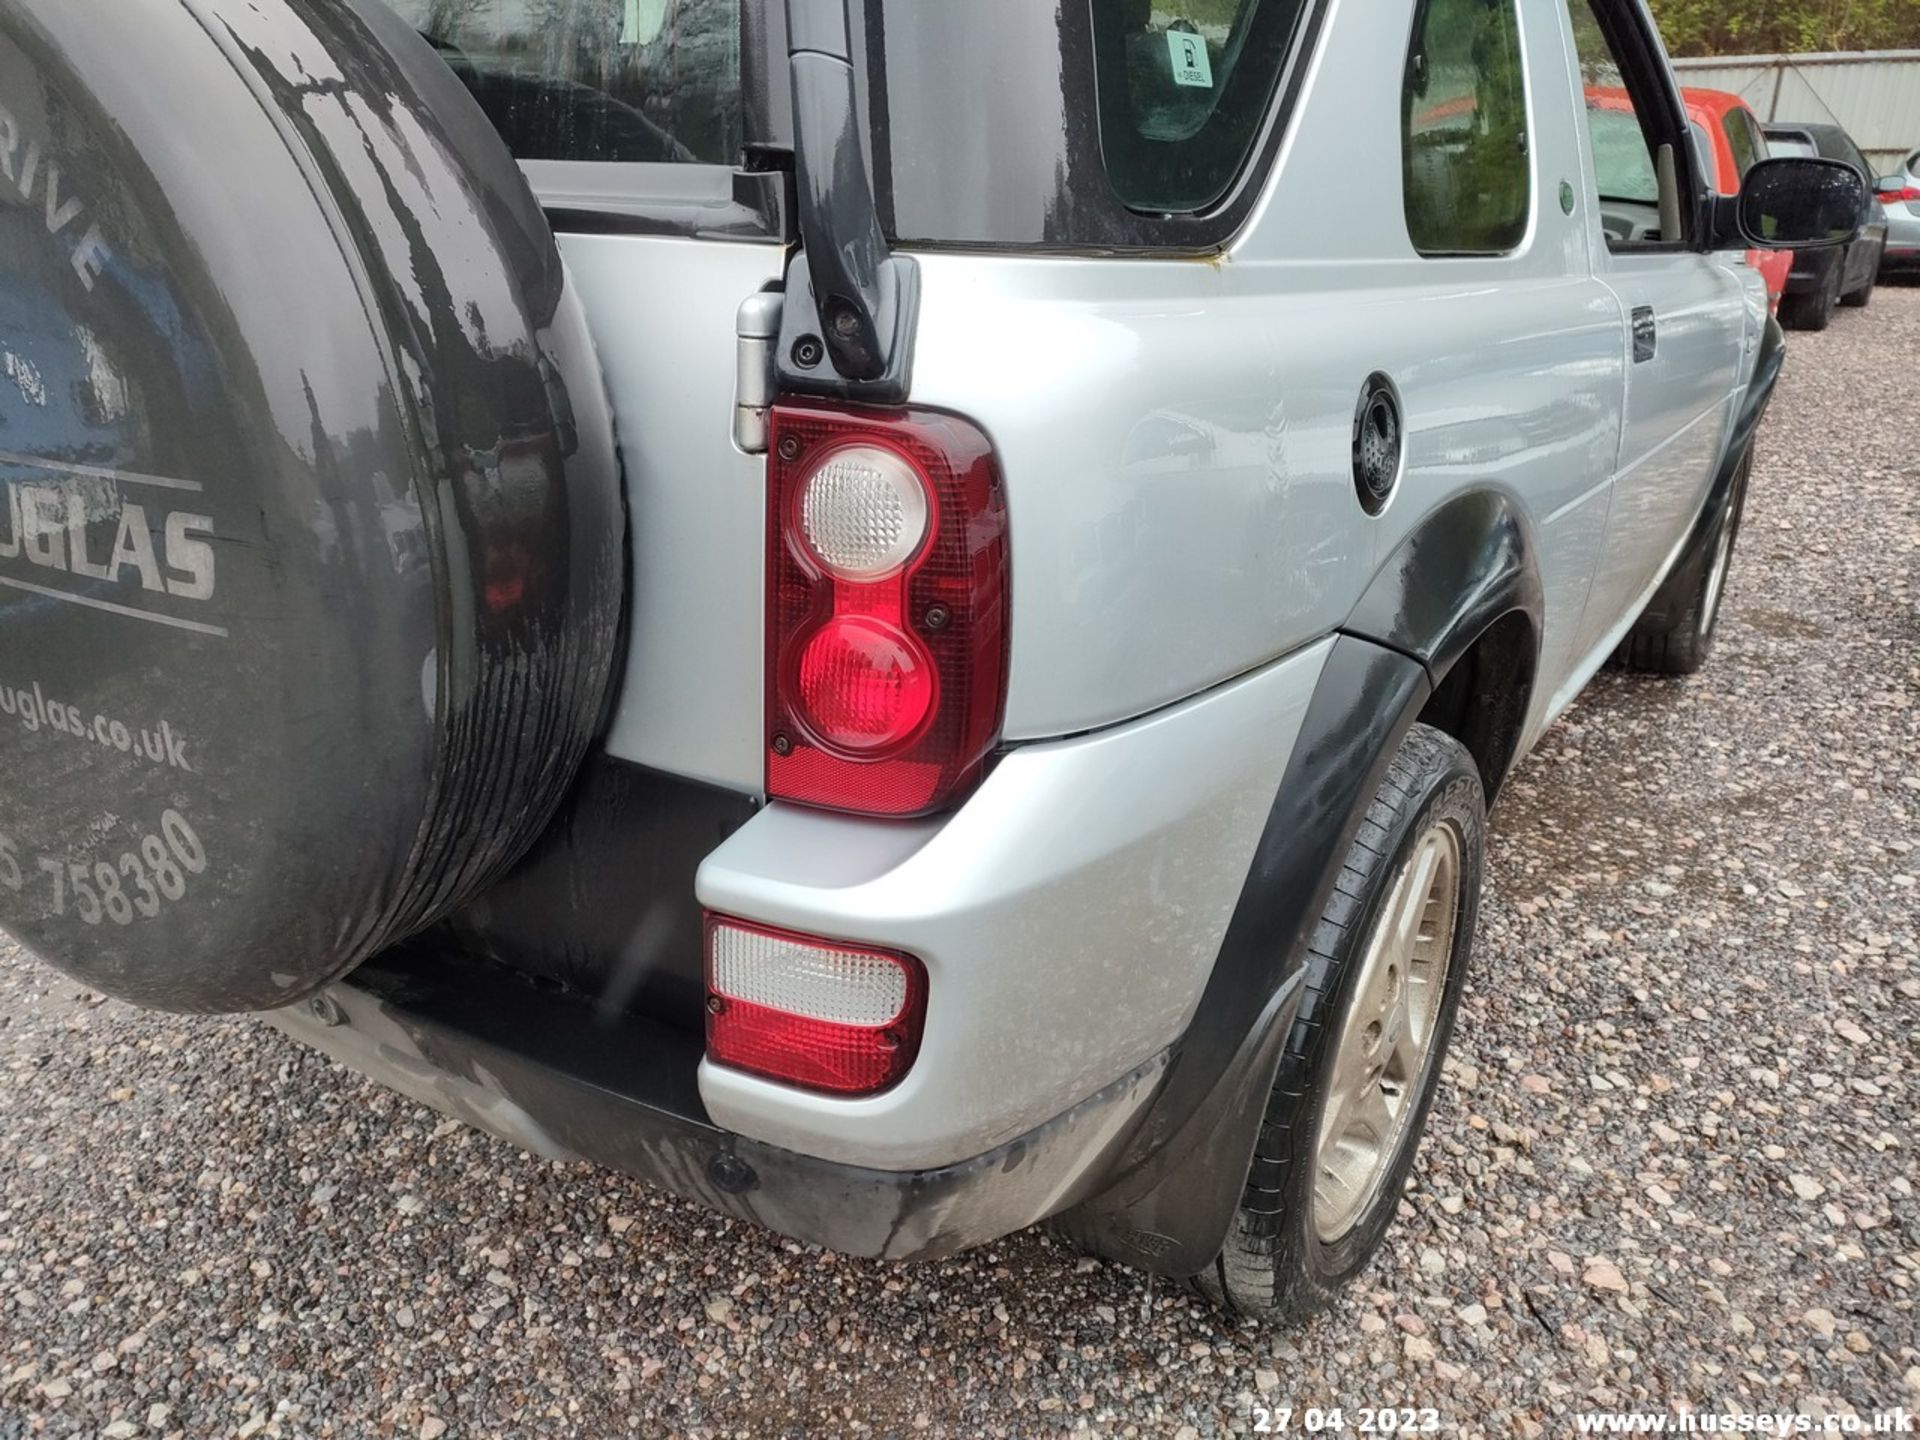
(731, 1175)
(327, 1011)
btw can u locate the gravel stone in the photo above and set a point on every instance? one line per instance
(1703, 894)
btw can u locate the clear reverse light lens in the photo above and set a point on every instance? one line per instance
(819, 981)
(863, 512)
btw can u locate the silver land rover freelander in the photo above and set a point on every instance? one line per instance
(897, 617)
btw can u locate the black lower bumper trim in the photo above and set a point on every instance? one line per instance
(549, 1073)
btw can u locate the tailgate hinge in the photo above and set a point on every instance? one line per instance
(758, 329)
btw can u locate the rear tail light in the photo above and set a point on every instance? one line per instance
(887, 608)
(1895, 197)
(820, 1014)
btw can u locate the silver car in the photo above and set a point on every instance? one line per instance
(1900, 196)
(900, 618)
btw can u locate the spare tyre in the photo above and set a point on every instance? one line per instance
(312, 537)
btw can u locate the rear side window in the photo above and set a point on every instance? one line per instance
(1463, 110)
(1185, 89)
(632, 80)
(1839, 147)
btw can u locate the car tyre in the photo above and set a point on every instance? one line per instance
(1386, 965)
(1811, 311)
(1860, 298)
(1675, 634)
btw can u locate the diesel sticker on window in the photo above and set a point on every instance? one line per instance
(1188, 52)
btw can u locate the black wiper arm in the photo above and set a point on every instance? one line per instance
(846, 292)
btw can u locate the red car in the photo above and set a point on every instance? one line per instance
(1726, 132)
(1729, 133)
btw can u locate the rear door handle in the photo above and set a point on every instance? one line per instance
(1645, 335)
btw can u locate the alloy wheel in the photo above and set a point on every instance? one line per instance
(1382, 1052)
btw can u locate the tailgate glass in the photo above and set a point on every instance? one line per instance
(629, 80)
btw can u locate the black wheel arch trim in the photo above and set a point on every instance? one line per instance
(1683, 580)
(1767, 363)
(1463, 567)
(1172, 1192)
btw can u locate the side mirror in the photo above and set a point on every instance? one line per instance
(1798, 203)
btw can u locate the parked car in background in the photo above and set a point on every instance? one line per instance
(1842, 275)
(1900, 198)
(1731, 142)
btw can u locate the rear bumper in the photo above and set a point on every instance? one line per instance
(542, 1070)
(1069, 916)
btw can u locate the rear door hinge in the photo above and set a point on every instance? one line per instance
(758, 331)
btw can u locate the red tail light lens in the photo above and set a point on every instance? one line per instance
(820, 1014)
(1895, 197)
(865, 685)
(887, 608)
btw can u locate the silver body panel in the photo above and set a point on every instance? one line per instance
(664, 313)
(1068, 915)
(1903, 218)
(1175, 436)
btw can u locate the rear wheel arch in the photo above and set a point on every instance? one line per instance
(1458, 596)
(1484, 699)
(1462, 595)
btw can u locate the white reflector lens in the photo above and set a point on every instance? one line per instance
(842, 987)
(863, 512)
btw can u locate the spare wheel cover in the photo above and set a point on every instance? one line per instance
(311, 530)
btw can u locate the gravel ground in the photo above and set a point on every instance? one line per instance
(1674, 1161)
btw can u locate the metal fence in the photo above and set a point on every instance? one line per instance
(1874, 94)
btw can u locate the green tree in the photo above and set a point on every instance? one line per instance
(1766, 27)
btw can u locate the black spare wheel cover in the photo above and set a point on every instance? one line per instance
(311, 546)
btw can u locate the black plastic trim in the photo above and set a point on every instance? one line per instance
(1682, 584)
(702, 202)
(538, 1068)
(603, 905)
(848, 323)
(1177, 1183)
(1767, 364)
(1467, 564)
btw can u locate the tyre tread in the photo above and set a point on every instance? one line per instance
(1253, 1274)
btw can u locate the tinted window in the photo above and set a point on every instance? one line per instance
(1741, 138)
(646, 80)
(1703, 142)
(1185, 87)
(1463, 112)
(1791, 145)
(1844, 149)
